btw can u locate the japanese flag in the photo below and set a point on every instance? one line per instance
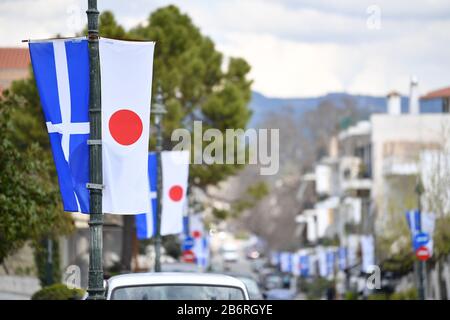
(126, 83)
(201, 244)
(175, 172)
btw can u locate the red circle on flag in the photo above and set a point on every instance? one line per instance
(125, 127)
(196, 234)
(176, 193)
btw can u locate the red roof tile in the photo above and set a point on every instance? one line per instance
(14, 58)
(441, 93)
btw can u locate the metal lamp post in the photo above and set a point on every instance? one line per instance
(158, 111)
(95, 289)
(420, 264)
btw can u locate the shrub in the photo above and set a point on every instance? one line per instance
(58, 291)
(378, 296)
(410, 294)
(351, 295)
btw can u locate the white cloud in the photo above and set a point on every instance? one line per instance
(295, 48)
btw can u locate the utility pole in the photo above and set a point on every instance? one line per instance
(158, 111)
(49, 261)
(95, 289)
(421, 265)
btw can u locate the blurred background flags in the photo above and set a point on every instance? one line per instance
(145, 222)
(185, 225)
(296, 264)
(412, 217)
(274, 258)
(175, 173)
(61, 69)
(428, 226)
(331, 259)
(368, 252)
(342, 256)
(425, 225)
(304, 265)
(201, 240)
(352, 250)
(285, 262)
(322, 259)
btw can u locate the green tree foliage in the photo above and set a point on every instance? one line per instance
(189, 69)
(28, 192)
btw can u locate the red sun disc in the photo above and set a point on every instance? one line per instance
(125, 127)
(176, 193)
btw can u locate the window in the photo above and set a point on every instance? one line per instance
(177, 292)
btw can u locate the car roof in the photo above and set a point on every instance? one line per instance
(133, 279)
(240, 275)
(179, 267)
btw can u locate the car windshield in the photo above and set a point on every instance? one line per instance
(252, 286)
(177, 292)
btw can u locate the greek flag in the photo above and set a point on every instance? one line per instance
(61, 69)
(286, 262)
(342, 254)
(331, 258)
(413, 218)
(146, 222)
(304, 265)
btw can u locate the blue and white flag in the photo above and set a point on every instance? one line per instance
(61, 69)
(413, 219)
(304, 265)
(331, 258)
(342, 255)
(201, 242)
(146, 222)
(286, 262)
(296, 264)
(421, 224)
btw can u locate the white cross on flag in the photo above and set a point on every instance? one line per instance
(175, 172)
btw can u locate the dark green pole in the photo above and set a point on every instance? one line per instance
(158, 111)
(95, 282)
(420, 264)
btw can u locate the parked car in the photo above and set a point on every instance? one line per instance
(229, 252)
(175, 286)
(252, 254)
(272, 281)
(280, 294)
(253, 289)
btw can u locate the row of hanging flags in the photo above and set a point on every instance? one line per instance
(421, 226)
(195, 241)
(326, 261)
(61, 70)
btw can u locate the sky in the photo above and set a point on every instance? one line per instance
(295, 48)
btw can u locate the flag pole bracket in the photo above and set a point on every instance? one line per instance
(94, 142)
(95, 186)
